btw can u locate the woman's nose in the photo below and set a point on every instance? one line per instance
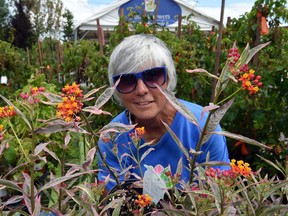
(141, 87)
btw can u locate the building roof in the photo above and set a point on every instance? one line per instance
(109, 16)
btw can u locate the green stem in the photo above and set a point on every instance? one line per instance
(138, 160)
(32, 164)
(20, 144)
(230, 96)
(62, 174)
(100, 153)
(193, 161)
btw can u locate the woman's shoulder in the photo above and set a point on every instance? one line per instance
(121, 118)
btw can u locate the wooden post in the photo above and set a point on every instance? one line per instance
(100, 37)
(121, 20)
(258, 34)
(59, 62)
(40, 55)
(179, 26)
(156, 12)
(218, 51)
(155, 15)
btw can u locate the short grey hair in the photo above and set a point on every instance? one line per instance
(139, 52)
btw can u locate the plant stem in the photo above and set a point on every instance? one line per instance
(192, 163)
(20, 144)
(100, 153)
(230, 96)
(203, 132)
(62, 174)
(32, 164)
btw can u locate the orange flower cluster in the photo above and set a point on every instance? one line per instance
(7, 111)
(239, 167)
(143, 200)
(140, 131)
(71, 104)
(137, 135)
(249, 81)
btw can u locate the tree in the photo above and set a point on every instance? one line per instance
(4, 12)
(46, 17)
(68, 25)
(24, 34)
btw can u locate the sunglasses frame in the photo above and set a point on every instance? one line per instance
(139, 75)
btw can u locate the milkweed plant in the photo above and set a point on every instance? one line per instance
(69, 188)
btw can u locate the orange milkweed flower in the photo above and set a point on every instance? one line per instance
(143, 200)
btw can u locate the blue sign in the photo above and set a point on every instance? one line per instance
(168, 10)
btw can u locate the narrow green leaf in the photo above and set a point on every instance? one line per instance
(215, 120)
(116, 127)
(59, 180)
(11, 184)
(271, 210)
(179, 107)
(17, 111)
(282, 170)
(105, 96)
(176, 139)
(204, 72)
(93, 91)
(146, 153)
(241, 138)
(254, 50)
(53, 98)
(86, 190)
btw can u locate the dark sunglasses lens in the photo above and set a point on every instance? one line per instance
(127, 83)
(154, 76)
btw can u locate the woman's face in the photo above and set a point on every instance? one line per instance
(145, 103)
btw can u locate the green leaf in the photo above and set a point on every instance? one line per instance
(280, 169)
(11, 184)
(204, 72)
(179, 107)
(53, 98)
(57, 181)
(93, 91)
(241, 138)
(253, 51)
(215, 119)
(146, 153)
(177, 140)
(17, 111)
(116, 127)
(105, 96)
(271, 210)
(86, 190)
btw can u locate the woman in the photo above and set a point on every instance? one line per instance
(141, 63)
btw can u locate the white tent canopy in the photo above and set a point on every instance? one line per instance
(109, 16)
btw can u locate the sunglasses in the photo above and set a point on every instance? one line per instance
(151, 77)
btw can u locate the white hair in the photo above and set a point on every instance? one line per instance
(139, 52)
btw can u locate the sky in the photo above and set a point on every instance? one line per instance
(83, 9)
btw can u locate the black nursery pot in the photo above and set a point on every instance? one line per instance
(131, 193)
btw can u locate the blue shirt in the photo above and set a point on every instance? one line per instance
(166, 151)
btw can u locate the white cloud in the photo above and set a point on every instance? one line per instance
(231, 10)
(80, 9)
